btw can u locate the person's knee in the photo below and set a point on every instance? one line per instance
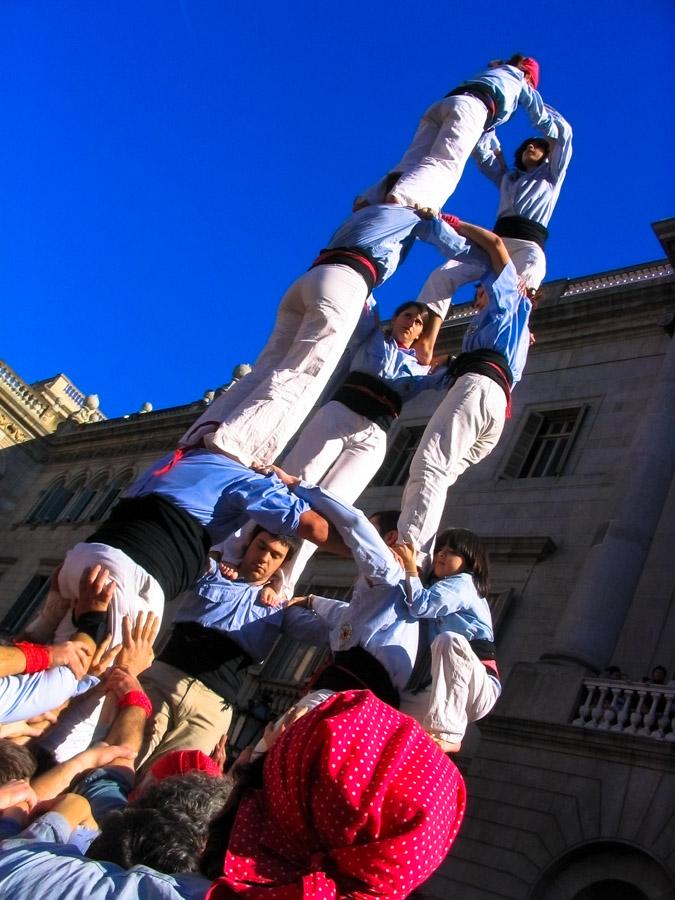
(449, 643)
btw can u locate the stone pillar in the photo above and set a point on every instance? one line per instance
(595, 614)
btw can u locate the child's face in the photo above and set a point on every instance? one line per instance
(448, 562)
(407, 326)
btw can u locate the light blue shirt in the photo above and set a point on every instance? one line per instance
(509, 89)
(222, 494)
(234, 607)
(532, 195)
(504, 323)
(452, 604)
(25, 696)
(380, 356)
(40, 862)
(377, 618)
(385, 232)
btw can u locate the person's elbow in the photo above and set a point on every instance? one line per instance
(313, 527)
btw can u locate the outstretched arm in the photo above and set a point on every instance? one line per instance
(489, 157)
(488, 241)
(561, 146)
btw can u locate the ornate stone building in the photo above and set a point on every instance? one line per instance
(571, 779)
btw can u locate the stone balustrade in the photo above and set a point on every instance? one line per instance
(645, 710)
(15, 384)
(615, 279)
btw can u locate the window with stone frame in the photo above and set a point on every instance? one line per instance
(50, 504)
(545, 442)
(27, 603)
(394, 470)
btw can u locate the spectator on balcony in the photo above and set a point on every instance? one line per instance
(614, 673)
(220, 629)
(658, 675)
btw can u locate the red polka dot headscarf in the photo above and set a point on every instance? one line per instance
(357, 800)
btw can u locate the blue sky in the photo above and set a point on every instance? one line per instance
(169, 167)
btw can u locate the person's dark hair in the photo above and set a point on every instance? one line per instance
(248, 776)
(422, 307)
(540, 142)
(660, 669)
(468, 545)
(288, 540)
(16, 761)
(167, 827)
(515, 60)
(387, 520)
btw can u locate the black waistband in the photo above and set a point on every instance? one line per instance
(522, 229)
(356, 668)
(483, 648)
(482, 93)
(370, 397)
(483, 362)
(354, 257)
(209, 655)
(163, 539)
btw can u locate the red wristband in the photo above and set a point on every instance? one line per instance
(136, 698)
(453, 221)
(38, 657)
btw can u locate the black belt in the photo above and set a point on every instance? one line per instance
(370, 397)
(522, 229)
(484, 95)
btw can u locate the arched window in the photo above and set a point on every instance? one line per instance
(85, 500)
(109, 495)
(73, 489)
(50, 504)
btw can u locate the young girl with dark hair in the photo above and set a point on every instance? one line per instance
(465, 680)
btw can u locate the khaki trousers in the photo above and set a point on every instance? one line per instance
(186, 714)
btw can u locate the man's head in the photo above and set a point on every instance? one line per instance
(166, 828)
(265, 554)
(659, 675)
(408, 322)
(386, 525)
(16, 761)
(531, 153)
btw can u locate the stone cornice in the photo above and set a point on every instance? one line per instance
(570, 739)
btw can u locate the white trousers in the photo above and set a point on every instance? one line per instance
(339, 450)
(464, 429)
(136, 591)
(461, 690)
(433, 163)
(439, 288)
(256, 418)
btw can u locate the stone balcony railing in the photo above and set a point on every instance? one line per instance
(645, 710)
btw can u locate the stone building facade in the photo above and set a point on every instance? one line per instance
(571, 779)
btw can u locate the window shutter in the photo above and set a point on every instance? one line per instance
(523, 446)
